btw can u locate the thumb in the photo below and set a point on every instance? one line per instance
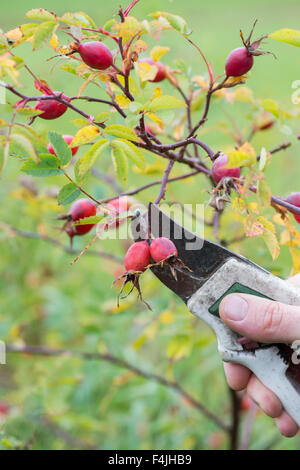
(261, 319)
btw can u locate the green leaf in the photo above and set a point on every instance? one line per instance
(47, 166)
(40, 14)
(289, 36)
(178, 23)
(68, 194)
(123, 132)
(265, 159)
(120, 163)
(178, 347)
(132, 152)
(84, 18)
(21, 140)
(89, 159)
(69, 68)
(94, 219)
(264, 193)
(271, 106)
(29, 112)
(165, 102)
(61, 148)
(42, 33)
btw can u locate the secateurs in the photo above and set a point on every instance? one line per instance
(214, 272)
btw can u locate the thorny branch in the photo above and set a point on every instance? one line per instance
(39, 236)
(166, 151)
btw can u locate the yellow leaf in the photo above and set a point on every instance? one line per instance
(157, 92)
(243, 156)
(157, 120)
(267, 224)
(85, 135)
(179, 131)
(289, 36)
(14, 34)
(103, 77)
(295, 260)
(285, 238)
(253, 207)
(166, 317)
(244, 94)
(123, 101)
(253, 228)
(54, 41)
(146, 71)
(139, 342)
(179, 347)
(140, 45)
(201, 81)
(128, 29)
(86, 83)
(157, 52)
(272, 243)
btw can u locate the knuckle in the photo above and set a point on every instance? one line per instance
(272, 318)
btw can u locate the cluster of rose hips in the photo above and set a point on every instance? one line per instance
(146, 254)
(139, 255)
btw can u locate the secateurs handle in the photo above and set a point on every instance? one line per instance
(275, 369)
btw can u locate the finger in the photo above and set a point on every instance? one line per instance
(264, 397)
(286, 425)
(261, 319)
(237, 376)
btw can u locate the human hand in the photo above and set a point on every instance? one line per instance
(264, 321)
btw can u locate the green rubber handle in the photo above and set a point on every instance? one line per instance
(236, 288)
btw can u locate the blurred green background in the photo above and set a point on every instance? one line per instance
(63, 402)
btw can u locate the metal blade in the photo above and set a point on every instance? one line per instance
(201, 256)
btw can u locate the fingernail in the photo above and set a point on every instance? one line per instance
(235, 308)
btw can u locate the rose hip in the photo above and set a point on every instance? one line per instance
(161, 70)
(219, 171)
(81, 209)
(239, 62)
(137, 257)
(96, 55)
(68, 139)
(52, 109)
(161, 248)
(294, 199)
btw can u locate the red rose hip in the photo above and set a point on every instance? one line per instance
(239, 62)
(52, 109)
(68, 139)
(161, 70)
(80, 210)
(96, 55)
(118, 206)
(294, 199)
(219, 171)
(137, 257)
(161, 248)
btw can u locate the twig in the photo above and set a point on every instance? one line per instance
(98, 100)
(149, 185)
(164, 182)
(216, 226)
(53, 241)
(234, 433)
(248, 426)
(45, 351)
(132, 4)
